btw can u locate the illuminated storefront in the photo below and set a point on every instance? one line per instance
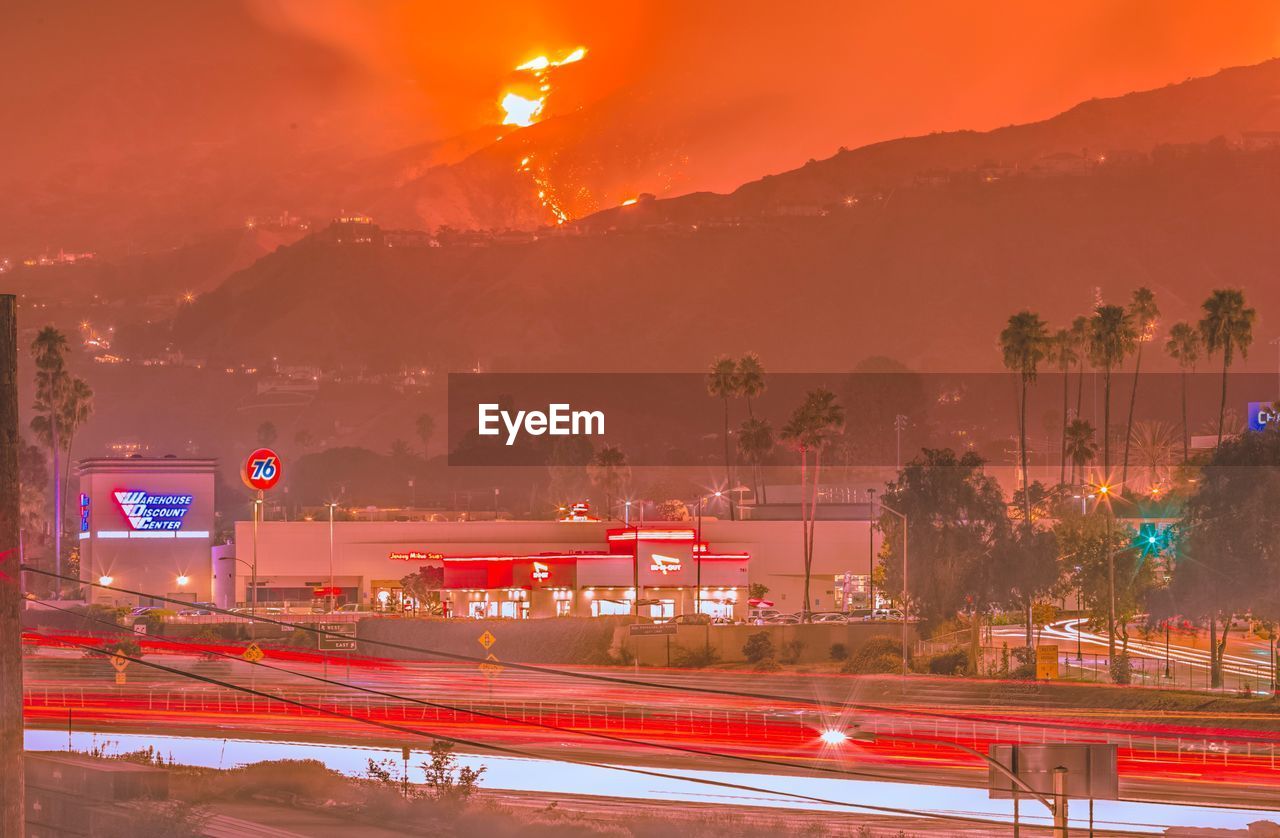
(146, 524)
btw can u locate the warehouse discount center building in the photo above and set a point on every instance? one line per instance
(519, 569)
(146, 524)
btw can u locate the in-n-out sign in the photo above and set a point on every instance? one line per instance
(665, 564)
(541, 572)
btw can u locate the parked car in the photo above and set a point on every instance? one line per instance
(692, 619)
(355, 607)
(195, 612)
(828, 617)
(891, 614)
(783, 620)
(144, 610)
(760, 616)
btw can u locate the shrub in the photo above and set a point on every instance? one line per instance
(695, 658)
(758, 647)
(879, 654)
(767, 665)
(954, 662)
(839, 652)
(445, 779)
(1024, 663)
(791, 651)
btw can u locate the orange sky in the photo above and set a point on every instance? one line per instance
(130, 95)
(802, 78)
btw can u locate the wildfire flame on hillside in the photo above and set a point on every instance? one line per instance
(524, 110)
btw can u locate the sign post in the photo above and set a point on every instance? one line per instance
(261, 471)
(1046, 663)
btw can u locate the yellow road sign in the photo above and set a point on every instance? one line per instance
(487, 640)
(120, 677)
(1046, 663)
(490, 666)
(120, 664)
(252, 653)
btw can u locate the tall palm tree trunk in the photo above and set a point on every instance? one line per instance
(1106, 422)
(57, 507)
(1022, 444)
(728, 468)
(1186, 432)
(813, 517)
(1062, 459)
(804, 522)
(1133, 401)
(1222, 404)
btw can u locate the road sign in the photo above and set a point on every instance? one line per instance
(487, 640)
(329, 643)
(1091, 769)
(253, 653)
(1046, 663)
(491, 667)
(261, 470)
(649, 629)
(119, 662)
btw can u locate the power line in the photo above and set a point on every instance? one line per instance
(499, 717)
(519, 752)
(634, 682)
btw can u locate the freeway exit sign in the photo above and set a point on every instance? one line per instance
(326, 642)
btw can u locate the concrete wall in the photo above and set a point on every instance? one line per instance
(727, 641)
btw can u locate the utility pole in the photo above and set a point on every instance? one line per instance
(11, 770)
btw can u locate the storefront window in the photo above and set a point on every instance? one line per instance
(564, 607)
(605, 607)
(664, 609)
(717, 608)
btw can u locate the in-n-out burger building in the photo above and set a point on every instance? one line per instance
(518, 569)
(671, 570)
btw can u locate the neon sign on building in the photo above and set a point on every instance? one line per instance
(540, 572)
(665, 564)
(148, 512)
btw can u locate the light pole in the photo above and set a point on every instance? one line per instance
(893, 511)
(331, 505)
(899, 422)
(871, 550)
(257, 514)
(253, 574)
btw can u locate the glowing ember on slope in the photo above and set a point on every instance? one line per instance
(522, 110)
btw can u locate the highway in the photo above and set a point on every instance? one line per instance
(1179, 756)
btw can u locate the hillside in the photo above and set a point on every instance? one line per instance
(956, 255)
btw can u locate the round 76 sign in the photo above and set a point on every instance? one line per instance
(261, 470)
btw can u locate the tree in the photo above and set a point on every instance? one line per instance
(607, 468)
(1080, 447)
(1184, 346)
(267, 434)
(425, 426)
(1023, 343)
(49, 351)
(958, 520)
(1080, 342)
(1227, 558)
(445, 779)
(755, 444)
(1227, 327)
(751, 383)
(1027, 565)
(424, 586)
(809, 431)
(1112, 338)
(723, 384)
(1154, 443)
(1101, 552)
(77, 408)
(1062, 351)
(1143, 313)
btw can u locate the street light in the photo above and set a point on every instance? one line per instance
(893, 511)
(332, 505)
(871, 551)
(182, 580)
(105, 580)
(253, 570)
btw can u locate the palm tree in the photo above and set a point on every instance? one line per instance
(723, 384)
(1184, 347)
(1080, 342)
(755, 443)
(267, 434)
(1154, 443)
(49, 350)
(1144, 312)
(1111, 338)
(1024, 343)
(751, 382)
(1081, 448)
(77, 407)
(1227, 326)
(426, 428)
(606, 467)
(810, 429)
(1062, 351)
